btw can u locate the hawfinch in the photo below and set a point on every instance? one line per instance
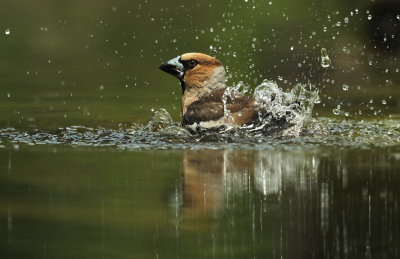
(205, 101)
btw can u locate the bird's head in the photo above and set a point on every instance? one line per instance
(196, 71)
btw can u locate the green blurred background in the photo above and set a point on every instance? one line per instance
(95, 63)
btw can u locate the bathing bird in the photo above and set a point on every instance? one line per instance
(206, 100)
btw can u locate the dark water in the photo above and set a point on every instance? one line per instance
(326, 202)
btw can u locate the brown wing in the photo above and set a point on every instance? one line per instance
(203, 111)
(211, 107)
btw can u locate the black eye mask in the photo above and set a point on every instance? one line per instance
(188, 64)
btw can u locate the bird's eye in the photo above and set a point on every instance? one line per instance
(192, 63)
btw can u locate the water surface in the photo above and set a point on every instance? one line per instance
(62, 201)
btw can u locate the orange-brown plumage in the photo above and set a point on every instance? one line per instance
(204, 87)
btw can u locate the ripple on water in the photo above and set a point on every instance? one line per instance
(321, 132)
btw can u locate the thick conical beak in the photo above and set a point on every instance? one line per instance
(174, 67)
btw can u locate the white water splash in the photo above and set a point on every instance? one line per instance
(292, 107)
(283, 112)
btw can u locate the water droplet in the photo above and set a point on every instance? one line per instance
(338, 24)
(369, 16)
(7, 32)
(8, 95)
(370, 63)
(325, 60)
(336, 111)
(345, 87)
(346, 20)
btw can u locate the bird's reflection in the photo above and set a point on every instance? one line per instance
(209, 177)
(309, 204)
(213, 178)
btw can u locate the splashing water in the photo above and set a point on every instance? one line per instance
(292, 107)
(325, 60)
(230, 92)
(324, 132)
(283, 113)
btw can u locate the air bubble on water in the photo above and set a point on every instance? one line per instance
(398, 17)
(384, 102)
(369, 16)
(270, 3)
(338, 24)
(101, 87)
(325, 60)
(291, 48)
(8, 95)
(346, 20)
(7, 32)
(345, 87)
(370, 63)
